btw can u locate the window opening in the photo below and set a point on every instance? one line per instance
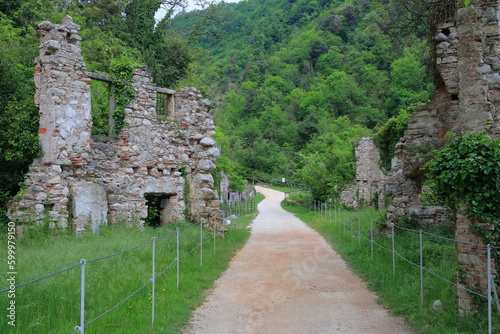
(159, 209)
(162, 101)
(103, 105)
(165, 105)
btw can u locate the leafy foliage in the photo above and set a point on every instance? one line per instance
(281, 70)
(122, 75)
(18, 114)
(328, 161)
(467, 171)
(389, 134)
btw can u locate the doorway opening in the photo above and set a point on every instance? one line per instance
(159, 209)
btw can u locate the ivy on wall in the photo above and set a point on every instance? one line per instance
(467, 172)
(388, 136)
(122, 72)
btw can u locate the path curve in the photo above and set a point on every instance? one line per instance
(287, 279)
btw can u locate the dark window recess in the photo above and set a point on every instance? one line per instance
(454, 97)
(159, 209)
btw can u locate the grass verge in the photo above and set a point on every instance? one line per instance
(52, 305)
(348, 233)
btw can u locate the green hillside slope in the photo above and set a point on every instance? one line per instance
(297, 82)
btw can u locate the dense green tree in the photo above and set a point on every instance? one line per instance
(140, 22)
(405, 89)
(328, 162)
(330, 23)
(18, 114)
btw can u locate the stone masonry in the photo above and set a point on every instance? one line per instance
(90, 181)
(468, 61)
(370, 179)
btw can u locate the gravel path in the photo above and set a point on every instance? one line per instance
(287, 279)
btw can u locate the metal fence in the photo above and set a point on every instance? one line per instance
(354, 225)
(155, 272)
(238, 208)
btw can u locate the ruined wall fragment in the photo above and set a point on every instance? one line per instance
(61, 85)
(155, 154)
(467, 59)
(369, 185)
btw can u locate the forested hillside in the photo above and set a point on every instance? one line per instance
(298, 82)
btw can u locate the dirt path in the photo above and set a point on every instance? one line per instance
(287, 279)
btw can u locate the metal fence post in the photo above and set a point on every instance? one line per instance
(371, 237)
(337, 218)
(393, 251)
(153, 274)
(335, 214)
(351, 227)
(490, 326)
(82, 297)
(178, 256)
(421, 268)
(342, 220)
(359, 231)
(201, 244)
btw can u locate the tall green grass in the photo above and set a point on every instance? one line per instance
(400, 292)
(52, 305)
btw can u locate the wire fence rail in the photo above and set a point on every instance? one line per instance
(84, 322)
(352, 224)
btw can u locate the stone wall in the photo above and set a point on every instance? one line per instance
(370, 179)
(468, 61)
(473, 264)
(90, 181)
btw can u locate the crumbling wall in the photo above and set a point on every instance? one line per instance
(89, 181)
(468, 61)
(369, 187)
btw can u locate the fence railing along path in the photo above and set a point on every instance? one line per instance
(155, 272)
(352, 224)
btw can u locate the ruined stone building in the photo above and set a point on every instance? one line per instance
(369, 186)
(467, 50)
(166, 154)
